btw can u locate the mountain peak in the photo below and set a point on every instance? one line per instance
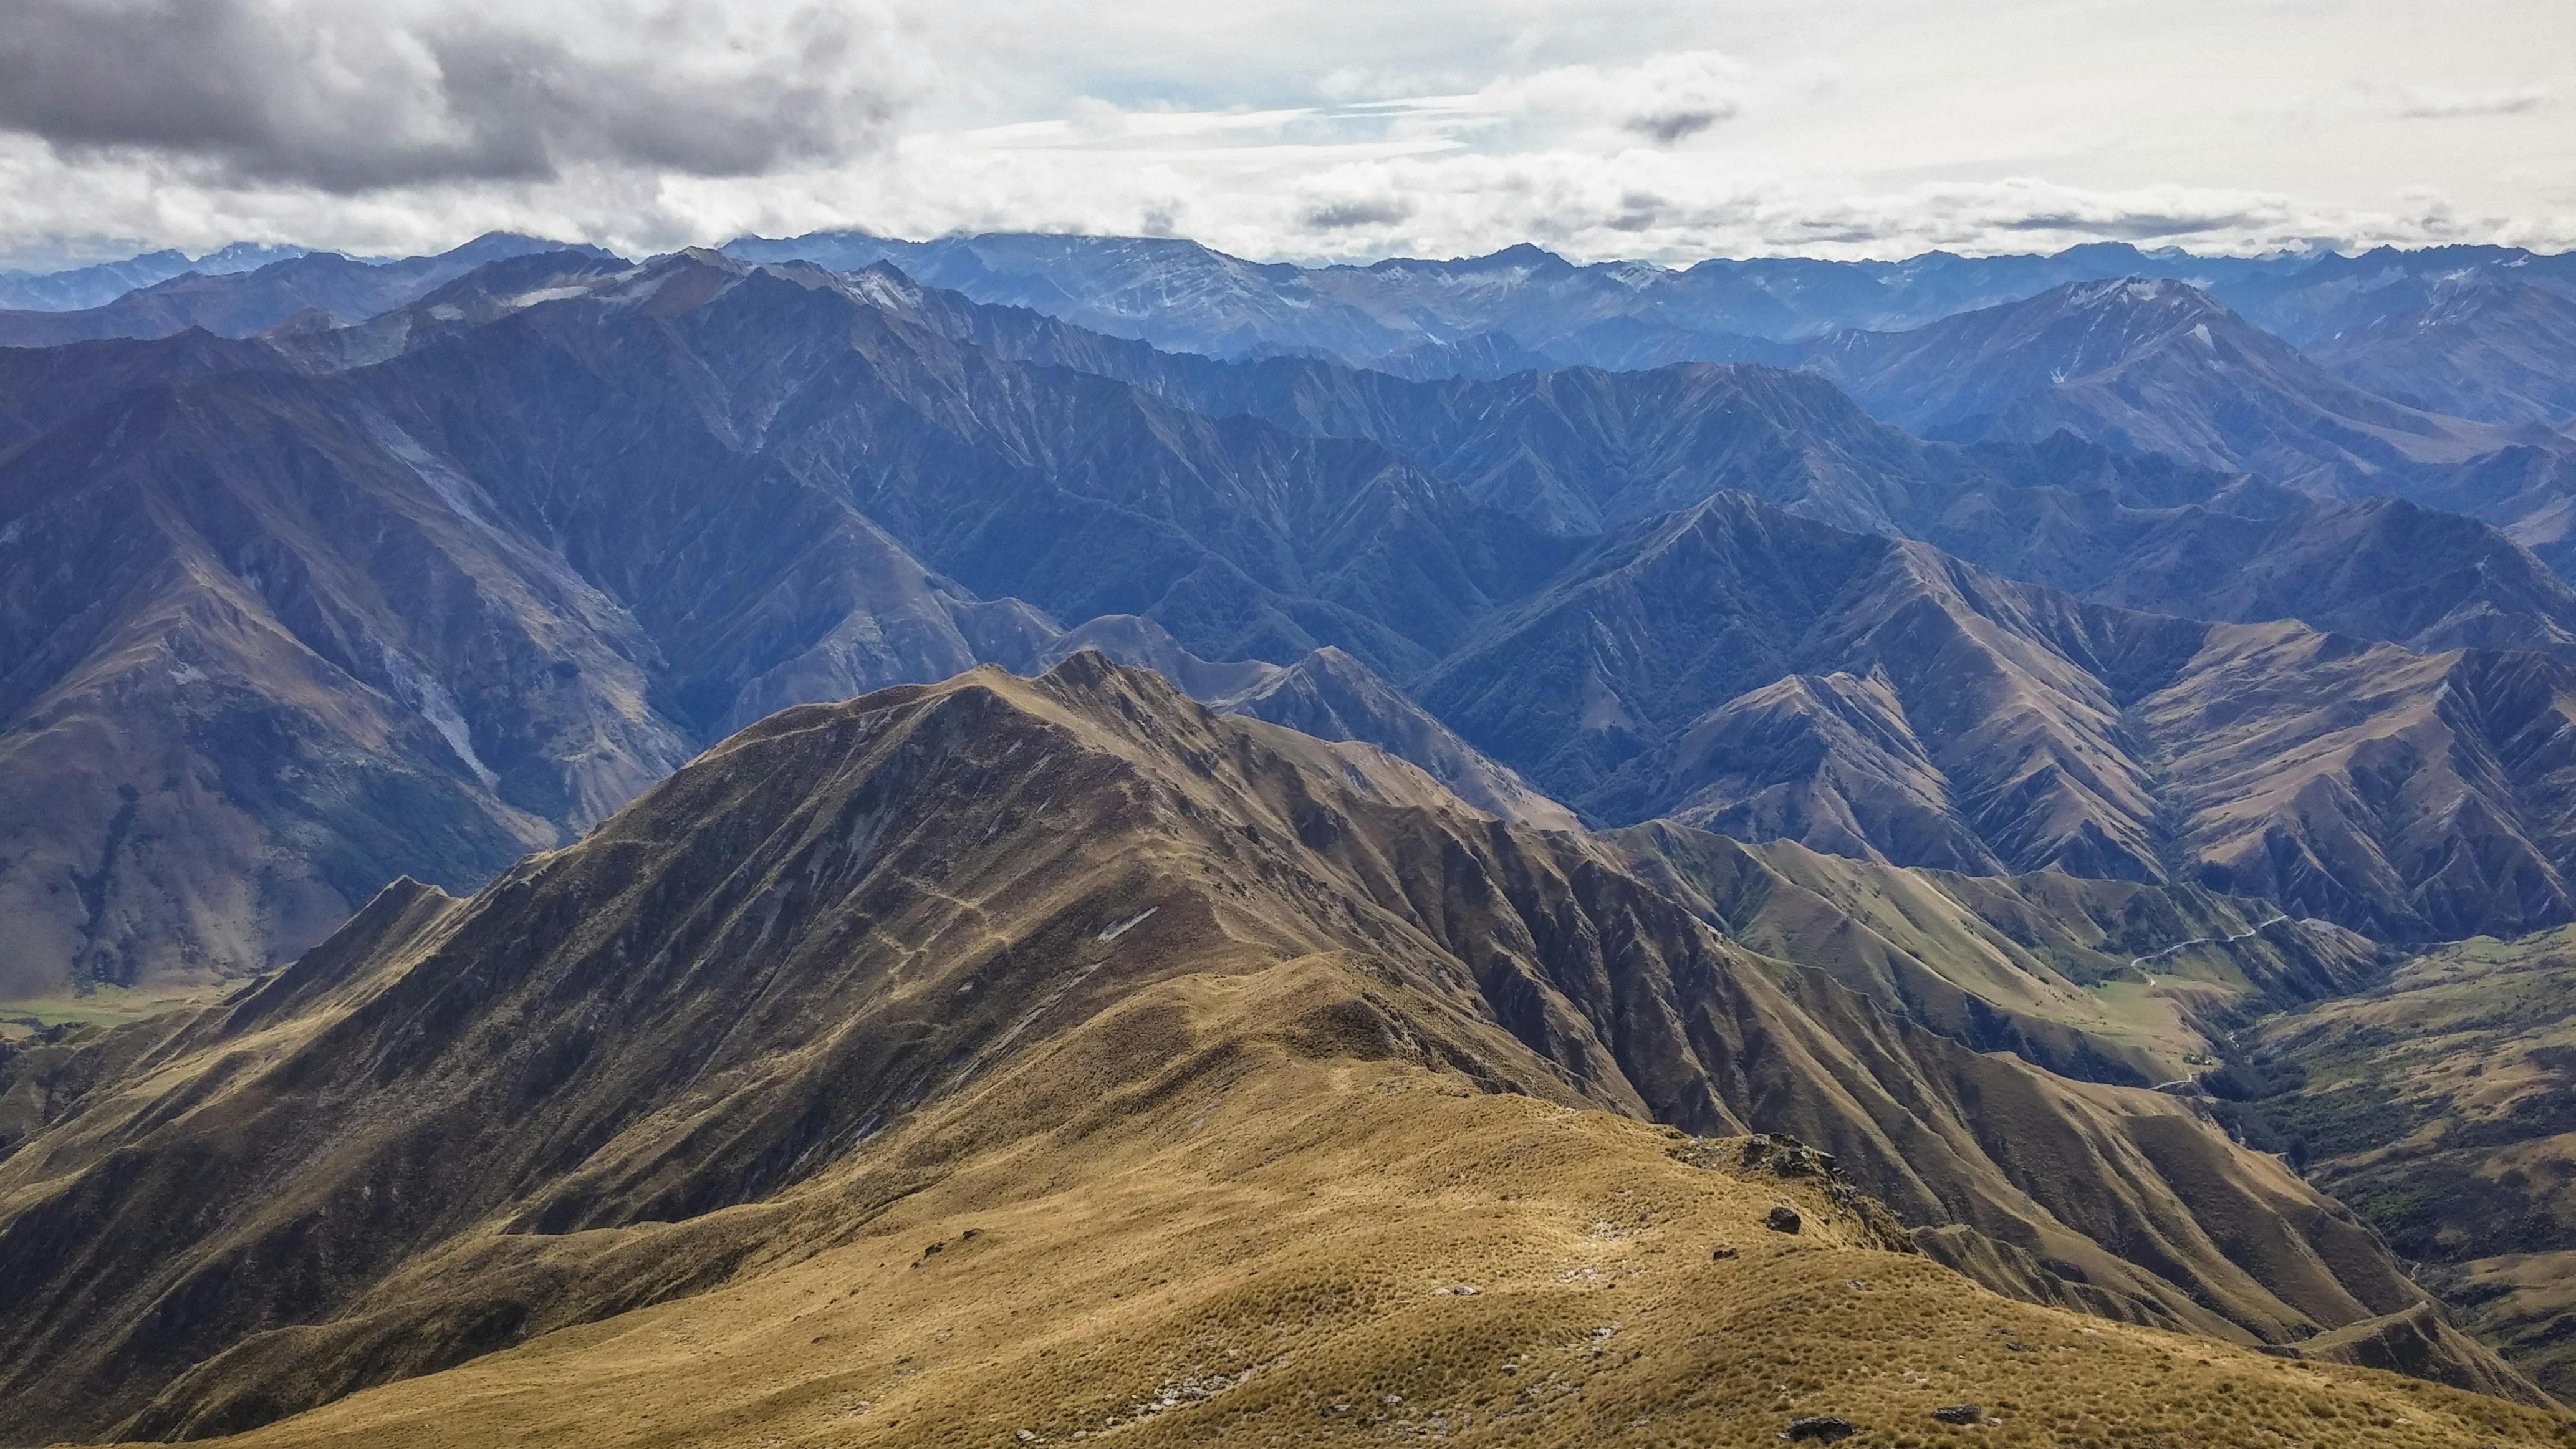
(1089, 670)
(1527, 256)
(2101, 251)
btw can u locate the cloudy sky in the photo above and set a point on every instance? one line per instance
(1300, 129)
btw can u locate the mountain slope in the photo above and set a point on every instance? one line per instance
(2479, 347)
(525, 570)
(2527, 492)
(1676, 617)
(2112, 981)
(1766, 674)
(1332, 697)
(2335, 295)
(1571, 451)
(1072, 491)
(2150, 367)
(278, 675)
(741, 1021)
(1579, 450)
(2372, 568)
(2437, 1105)
(1325, 1203)
(41, 388)
(1829, 761)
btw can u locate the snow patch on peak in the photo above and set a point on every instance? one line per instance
(636, 287)
(879, 289)
(546, 294)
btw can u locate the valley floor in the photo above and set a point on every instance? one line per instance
(22, 1017)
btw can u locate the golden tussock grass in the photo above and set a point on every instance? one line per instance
(1259, 1241)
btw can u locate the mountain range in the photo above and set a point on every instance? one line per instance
(294, 625)
(2146, 367)
(1184, 297)
(740, 1024)
(2481, 346)
(102, 282)
(2477, 329)
(304, 289)
(767, 791)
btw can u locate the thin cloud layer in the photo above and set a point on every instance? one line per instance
(347, 95)
(1662, 98)
(2437, 105)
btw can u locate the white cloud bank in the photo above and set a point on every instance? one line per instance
(1663, 129)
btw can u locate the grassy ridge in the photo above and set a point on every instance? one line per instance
(1279, 1251)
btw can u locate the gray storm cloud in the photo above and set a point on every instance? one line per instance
(356, 96)
(1372, 211)
(1679, 124)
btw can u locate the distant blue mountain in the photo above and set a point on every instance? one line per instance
(1183, 296)
(1481, 316)
(327, 286)
(97, 285)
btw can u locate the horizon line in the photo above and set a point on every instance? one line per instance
(2316, 251)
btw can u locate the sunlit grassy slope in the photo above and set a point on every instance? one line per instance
(105, 1005)
(2442, 1106)
(1270, 1240)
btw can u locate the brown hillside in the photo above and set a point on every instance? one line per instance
(2109, 980)
(860, 954)
(1282, 1236)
